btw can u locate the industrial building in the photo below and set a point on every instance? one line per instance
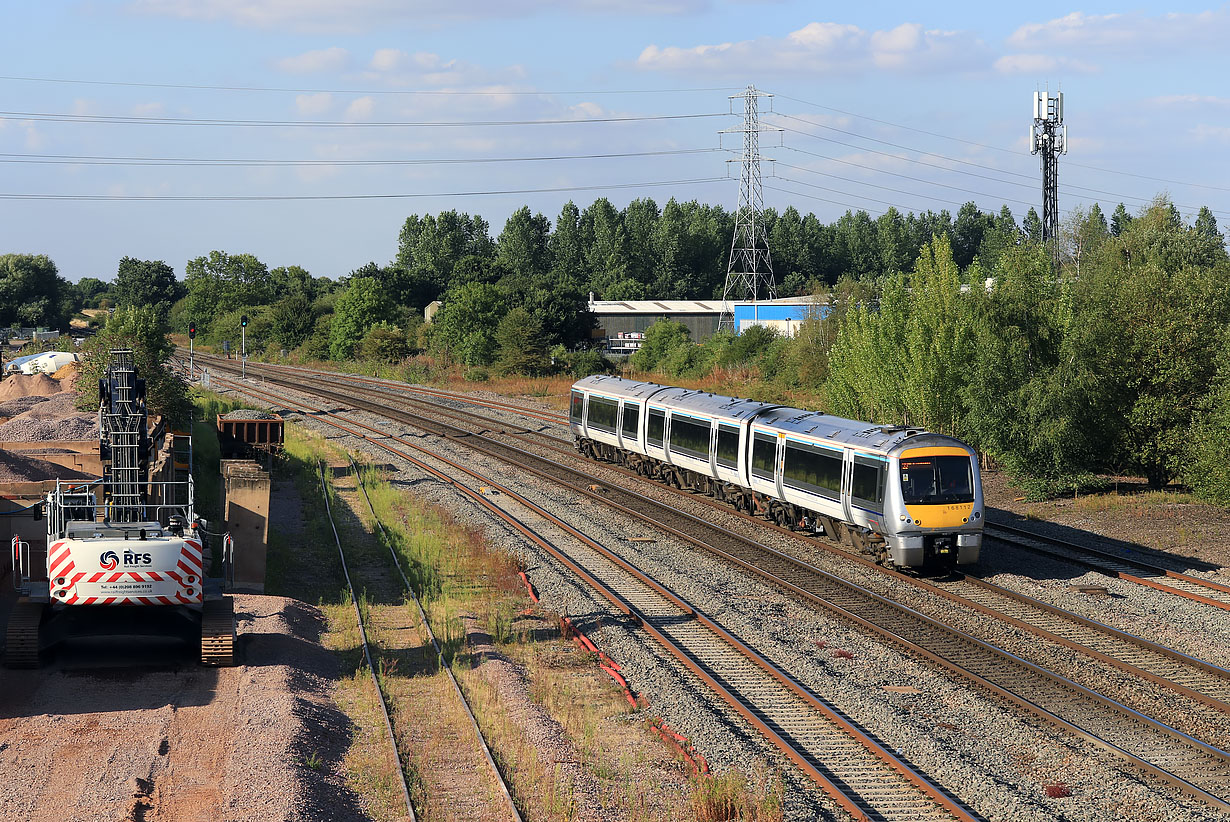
(622, 323)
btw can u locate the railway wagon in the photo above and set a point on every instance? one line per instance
(908, 496)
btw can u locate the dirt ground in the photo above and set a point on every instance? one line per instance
(140, 732)
(1167, 522)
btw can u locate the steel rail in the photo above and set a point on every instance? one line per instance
(1162, 666)
(855, 806)
(367, 654)
(482, 741)
(1214, 594)
(1200, 760)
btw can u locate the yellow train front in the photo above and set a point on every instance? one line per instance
(933, 514)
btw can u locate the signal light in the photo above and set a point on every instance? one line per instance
(192, 330)
(243, 321)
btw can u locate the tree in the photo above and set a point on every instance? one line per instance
(384, 342)
(292, 319)
(146, 282)
(143, 330)
(465, 327)
(662, 339)
(1119, 220)
(291, 279)
(522, 247)
(32, 292)
(522, 346)
(429, 248)
(968, 232)
(363, 304)
(893, 239)
(565, 247)
(1031, 226)
(221, 282)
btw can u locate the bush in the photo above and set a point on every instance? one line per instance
(384, 342)
(477, 375)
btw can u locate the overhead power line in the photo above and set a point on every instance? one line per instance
(287, 90)
(999, 148)
(191, 121)
(83, 159)
(282, 197)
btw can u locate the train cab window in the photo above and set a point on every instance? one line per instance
(764, 456)
(690, 436)
(868, 481)
(728, 446)
(812, 468)
(632, 415)
(577, 408)
(938, 479)
(602, 413)
(657, 426)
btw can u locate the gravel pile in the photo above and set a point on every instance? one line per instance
(17, 467)
(249, 414)
(25, 385)
(20, 405)
(25, 429)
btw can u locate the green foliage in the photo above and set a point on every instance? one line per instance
(662, 339)
(292, 319)
(581, 363)
(221, 283)
(521, 344)
(142, 329)
(32, 292)
(146, 282)
(384, 342)
(88, 291)
(1207, 469)
(465, 327)
(363, 304)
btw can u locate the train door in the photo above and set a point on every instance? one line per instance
(847, 483)
(778, 465)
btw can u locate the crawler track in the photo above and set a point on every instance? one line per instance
(1152, 747)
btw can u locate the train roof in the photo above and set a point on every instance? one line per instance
(619, 387)
(681, 399)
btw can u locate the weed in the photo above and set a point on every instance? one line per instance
(731, 796)
(1057, 790)
(842, 653)
(313, 761)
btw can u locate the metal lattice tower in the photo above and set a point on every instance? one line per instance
(750, 266)
(1048, 136)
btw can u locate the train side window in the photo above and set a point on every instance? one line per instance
(577, 408)
(764, 456)
(632, 414)
(690, 436)
(602, 413)
(728, 446)
(868, 484)
(812, 468)
(657, 426)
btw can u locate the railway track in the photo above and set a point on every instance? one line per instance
(1131, 569)
(1200, 681)
(847, 763)
(1152, 747)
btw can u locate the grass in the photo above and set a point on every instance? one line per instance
(731, 796)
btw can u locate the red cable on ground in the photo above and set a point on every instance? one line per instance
(681, 744)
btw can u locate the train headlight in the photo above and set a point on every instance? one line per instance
(903, 518)
(60, 581)
(977, 515)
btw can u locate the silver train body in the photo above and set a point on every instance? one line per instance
(910, 497)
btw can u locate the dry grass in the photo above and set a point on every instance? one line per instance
(731, 796)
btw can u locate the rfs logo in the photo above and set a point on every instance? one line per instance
(109, 561)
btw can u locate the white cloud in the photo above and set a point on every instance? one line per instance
(1041, 64)
(314, 103)
(148, 109)
(1211, 134)
(828, 48)
(398, 68)
(1189, 100)
(364, 15)
(360, 109)
(330, 59)
(1135, 32)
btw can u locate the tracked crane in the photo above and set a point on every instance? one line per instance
(125, 556)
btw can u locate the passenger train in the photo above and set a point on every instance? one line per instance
(910, 497)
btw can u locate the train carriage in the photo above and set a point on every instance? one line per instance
(911, 497)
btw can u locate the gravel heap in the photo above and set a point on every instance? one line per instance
(25, 385)
(249, 414)
(20, 405)
(27, 428)
(16, 467)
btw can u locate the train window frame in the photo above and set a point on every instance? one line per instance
(576, 408)
(768, 440)
(727, 449)
(635, 409)
(880, 467)
(656, 422)
(687, 433)
(819, 456)
(936, 499)
(607, 405)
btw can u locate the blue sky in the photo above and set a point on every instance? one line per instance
(333, 100)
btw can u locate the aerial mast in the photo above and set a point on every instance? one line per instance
(1048, 136)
